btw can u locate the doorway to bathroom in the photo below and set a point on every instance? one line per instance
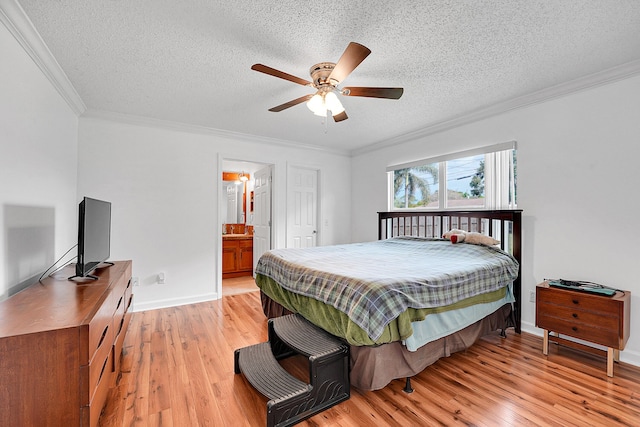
(245, 209)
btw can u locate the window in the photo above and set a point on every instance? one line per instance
(416, 187)
(465, 182)
(484, 178)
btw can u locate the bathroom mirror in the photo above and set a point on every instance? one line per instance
(233, 191)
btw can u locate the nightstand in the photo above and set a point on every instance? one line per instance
(603, 320)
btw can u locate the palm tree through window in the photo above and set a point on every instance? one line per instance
(413, 186)
(482, 178)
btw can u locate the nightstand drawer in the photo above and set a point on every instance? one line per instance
(578, 300)
(604, 321)
(585, 331)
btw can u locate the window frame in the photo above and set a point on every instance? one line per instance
(495, 198)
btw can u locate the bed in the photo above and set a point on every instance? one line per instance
(407, 299)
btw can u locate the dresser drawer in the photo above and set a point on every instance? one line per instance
(121, 300)
(99, 366)
(91, 374)
(119, 313)
(90, 412)
(99, 327)
(123, 314)
(119, 342)
(119, 288)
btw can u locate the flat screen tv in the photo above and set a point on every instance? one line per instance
(94, 236)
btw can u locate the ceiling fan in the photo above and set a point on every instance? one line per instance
(326, 76)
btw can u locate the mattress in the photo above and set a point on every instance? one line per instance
(438, 325)
(370, 293)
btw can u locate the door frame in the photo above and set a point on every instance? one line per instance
(222, 157)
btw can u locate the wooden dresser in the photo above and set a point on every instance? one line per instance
(60, 347)
(599, 319)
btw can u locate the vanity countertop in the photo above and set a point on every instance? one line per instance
(237, 236)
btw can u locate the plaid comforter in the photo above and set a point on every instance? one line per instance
(374, 282)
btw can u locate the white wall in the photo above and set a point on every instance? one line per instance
(164, 186)
(38, 159)
(577, 183)
(578, 159)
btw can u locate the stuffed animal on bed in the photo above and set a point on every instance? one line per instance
(454, 235)
(459, 236)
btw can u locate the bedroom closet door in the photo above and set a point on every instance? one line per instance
(261, 213)
(302, 207)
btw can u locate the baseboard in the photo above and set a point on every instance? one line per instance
(173, 302)
(627, 356)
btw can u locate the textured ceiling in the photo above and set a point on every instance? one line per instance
(188, 61)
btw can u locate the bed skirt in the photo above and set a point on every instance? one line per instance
(373, 367)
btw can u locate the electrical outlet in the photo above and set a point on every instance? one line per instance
(161, 278)
(532, 296)
(135, 281)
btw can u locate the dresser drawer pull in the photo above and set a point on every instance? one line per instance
(119, 302)
(104, 334)
(575, 315)
(121, 325)
(575, 301)
(575, 329)
(102, 371)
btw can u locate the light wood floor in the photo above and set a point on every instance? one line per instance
(238, 285)
(178, 371)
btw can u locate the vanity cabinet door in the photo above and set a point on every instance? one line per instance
(229, 256)
(246, 255)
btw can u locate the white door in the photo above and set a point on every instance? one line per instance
(261, 214)
(302, 207)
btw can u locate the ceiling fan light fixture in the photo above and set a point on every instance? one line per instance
(333, 103)
(317, 105)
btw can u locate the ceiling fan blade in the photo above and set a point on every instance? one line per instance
(291, 103)
(280, 74)
(374, 92)
(353, 55)
(340, 117)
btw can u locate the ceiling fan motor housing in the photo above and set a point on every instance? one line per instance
(320, 74)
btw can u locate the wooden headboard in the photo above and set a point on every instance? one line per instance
(503, 225)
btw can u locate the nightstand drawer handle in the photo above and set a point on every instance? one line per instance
(575, 301)
(575, 315)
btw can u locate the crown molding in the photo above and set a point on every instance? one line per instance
(601, 78)
(20, 26)
(189, 128)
